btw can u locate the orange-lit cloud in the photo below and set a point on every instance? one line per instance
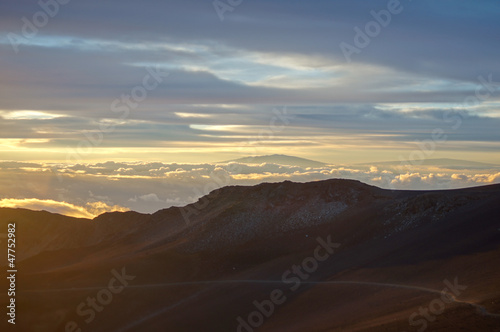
(90, 210)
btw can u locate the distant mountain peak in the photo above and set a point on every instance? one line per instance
(279, 159)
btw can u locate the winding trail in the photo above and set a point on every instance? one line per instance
(480, 309)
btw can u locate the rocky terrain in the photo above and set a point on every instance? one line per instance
(219, 264)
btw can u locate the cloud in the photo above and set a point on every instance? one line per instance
(316, 131)
(149, 198)
(90, 189)
(90, 210)
(299, 60)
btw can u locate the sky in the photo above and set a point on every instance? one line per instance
(198, 82)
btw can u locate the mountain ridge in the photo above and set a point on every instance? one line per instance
(415, 238)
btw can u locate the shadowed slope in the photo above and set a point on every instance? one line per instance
(190, 268)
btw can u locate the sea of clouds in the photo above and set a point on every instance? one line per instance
(87, 190)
